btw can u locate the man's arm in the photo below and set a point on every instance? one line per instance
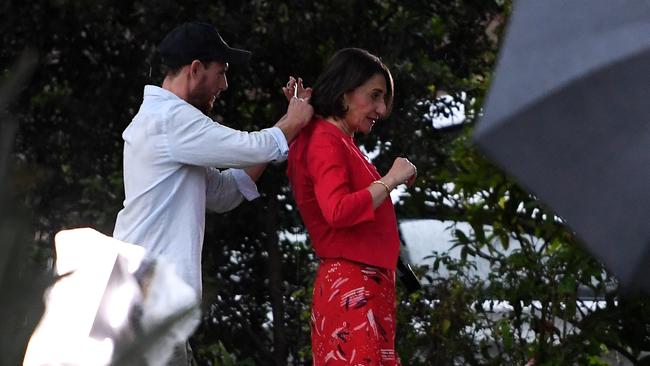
(255, 171)
(194, 139)
(293, 88)
(224, 189)
(298, 114)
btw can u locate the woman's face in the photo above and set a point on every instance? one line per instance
(366, 104)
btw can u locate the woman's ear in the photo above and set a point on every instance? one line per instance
(345, 101)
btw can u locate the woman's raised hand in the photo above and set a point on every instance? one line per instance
(402, 171)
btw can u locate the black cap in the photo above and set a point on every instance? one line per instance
(198, 41)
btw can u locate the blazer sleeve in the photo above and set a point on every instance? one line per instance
(341, 204)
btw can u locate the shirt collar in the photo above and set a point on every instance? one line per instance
(158, 92)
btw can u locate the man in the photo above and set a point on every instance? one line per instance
(173, 150)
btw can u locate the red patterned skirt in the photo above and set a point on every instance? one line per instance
(353, 315)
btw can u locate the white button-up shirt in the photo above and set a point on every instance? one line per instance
(172, 156)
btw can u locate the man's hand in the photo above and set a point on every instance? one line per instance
(296, 88)
(298, 115)
(299, 112)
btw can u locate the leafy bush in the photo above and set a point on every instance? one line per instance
(95, 58)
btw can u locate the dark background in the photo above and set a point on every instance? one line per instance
(91, 61)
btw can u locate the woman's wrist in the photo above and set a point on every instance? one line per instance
(382, 183)
(389, 182)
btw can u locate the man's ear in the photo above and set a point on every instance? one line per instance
(195, 66)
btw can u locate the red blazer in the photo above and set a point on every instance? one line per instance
(329, 176)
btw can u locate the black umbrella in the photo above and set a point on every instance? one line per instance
(568, 115)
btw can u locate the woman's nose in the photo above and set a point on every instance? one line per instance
(381, 108)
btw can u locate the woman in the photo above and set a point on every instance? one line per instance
(346, 207)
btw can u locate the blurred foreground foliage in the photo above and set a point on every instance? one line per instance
(94, 59)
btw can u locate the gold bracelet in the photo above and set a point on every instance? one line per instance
(383, 184)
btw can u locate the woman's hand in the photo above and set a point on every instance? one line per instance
(296, 88)
(402, 171)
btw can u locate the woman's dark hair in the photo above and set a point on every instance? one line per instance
(348, 69)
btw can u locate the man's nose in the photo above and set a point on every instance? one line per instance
(224, 84)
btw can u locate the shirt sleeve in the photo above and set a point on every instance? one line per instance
(195, 139)
(280, 139)
(340, 204)
(245, 184)
(222, 192)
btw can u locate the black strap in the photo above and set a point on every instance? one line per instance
(407, 276)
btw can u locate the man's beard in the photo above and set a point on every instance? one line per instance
(203, 105)
(206, 109)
